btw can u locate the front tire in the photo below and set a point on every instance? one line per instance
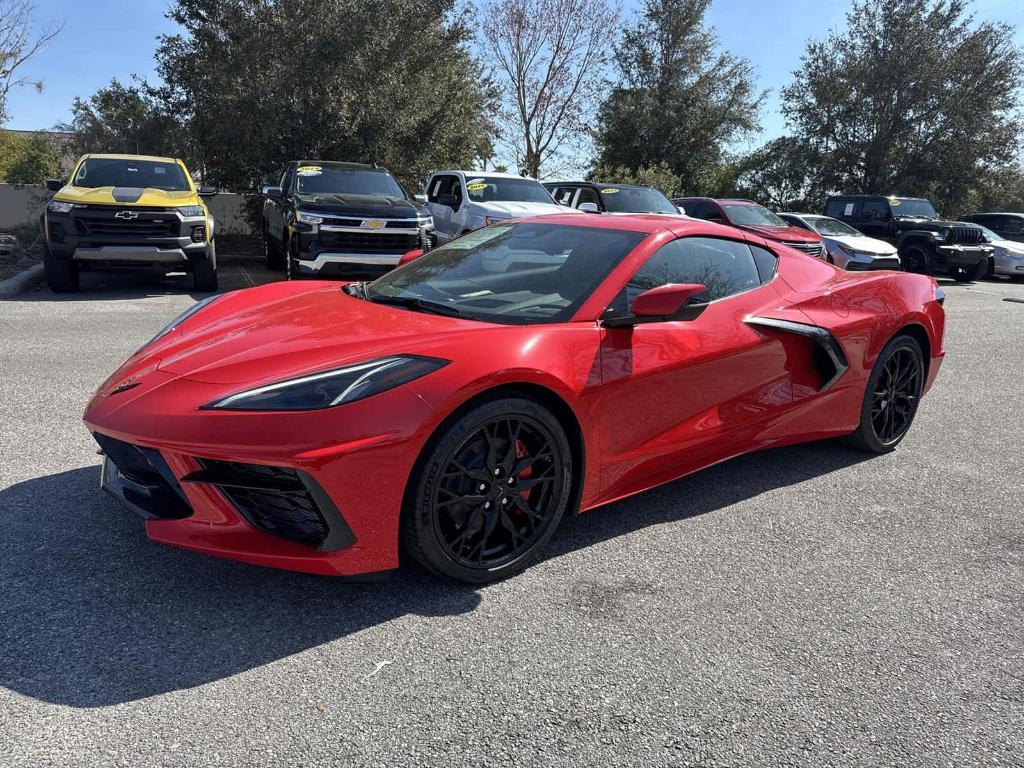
(489, 491)
(891, 398)
(61, 274)
(273, 257)
(204, 271)
(917, 259)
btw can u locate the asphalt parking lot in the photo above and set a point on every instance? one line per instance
(809, 606)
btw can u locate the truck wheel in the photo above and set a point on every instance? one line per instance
(272, 255)
(61, 274)
(969, 274)
(204, 272)
(291, 271)
(915, 258)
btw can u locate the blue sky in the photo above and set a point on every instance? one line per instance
(117, 38)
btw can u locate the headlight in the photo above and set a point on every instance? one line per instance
(427, 222)
(308, 218)
(847, 249)
(488, 220)
(179, 320)
(59, 206)
(191, 210)
(329, 388)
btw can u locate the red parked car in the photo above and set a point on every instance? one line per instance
(753, 217)
(457, 407)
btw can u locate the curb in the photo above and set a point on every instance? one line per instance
(23, 281)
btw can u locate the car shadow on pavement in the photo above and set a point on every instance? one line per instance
(93, 614)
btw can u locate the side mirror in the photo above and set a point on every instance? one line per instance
(451, 201)
(275, 193)
(665, 300)
(207, 191)
(589, 208)
(410, 256)
(54, 185)
(682, 211)
(421, 199)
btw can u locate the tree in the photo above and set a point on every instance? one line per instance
(658, 176)
(261, 82)
(913, 98)
(26, 160)
(119, 118)
(18, 44)
(781, 174)
(550, 55)
(678, 100)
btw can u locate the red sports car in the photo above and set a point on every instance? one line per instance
(456, 408)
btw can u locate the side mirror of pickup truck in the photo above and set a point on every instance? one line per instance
(589, 208)
(207, 191)
(54, 185)
(275, 193)
(421, 199)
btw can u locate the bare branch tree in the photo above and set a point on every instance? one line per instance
(19, 43)
(550, 55)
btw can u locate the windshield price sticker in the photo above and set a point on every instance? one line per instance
(479, 237)
(609, 191)
(894, 202)
(309, 170)
(849, 210)
(476, 186)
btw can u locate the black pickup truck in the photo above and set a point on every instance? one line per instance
(926, 243)
(339, 220)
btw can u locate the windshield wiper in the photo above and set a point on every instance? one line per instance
(421, 305)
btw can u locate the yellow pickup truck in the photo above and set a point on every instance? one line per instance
(128, 211)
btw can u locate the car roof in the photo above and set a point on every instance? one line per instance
(493, 174)
(338, 164)
(114, 156)
(730, 200)
(877, 197)
(596, 184)
(804, 215)
(997, 213)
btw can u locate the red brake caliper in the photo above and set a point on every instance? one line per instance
(522, 453)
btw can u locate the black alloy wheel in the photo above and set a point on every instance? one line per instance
(892, 396)
(491, 492)
(915, 258)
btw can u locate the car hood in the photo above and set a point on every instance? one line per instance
(269, 333)
(862, 243)
(1009, 245)
(785, 234)
(126, 196)
(514, 209)
(357, 205)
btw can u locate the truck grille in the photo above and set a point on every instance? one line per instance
(964, 236)
(369, 242)
(104, 221)
(814, 249)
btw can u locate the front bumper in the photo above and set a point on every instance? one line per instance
(1006, 263)
(962, 255)
(95, 236)
(864, 262)
(331, 250)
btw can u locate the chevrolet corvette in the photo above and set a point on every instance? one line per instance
(455, 409)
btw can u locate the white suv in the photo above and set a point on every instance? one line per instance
(461, 201)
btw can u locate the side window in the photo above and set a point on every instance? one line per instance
(443, 185)
(841, 209)
(286, 179)
(765, 261)
(434, 189)
(563, 195)
(726, 267)
(588, 195)
(874, 210)
(1012, 225)
(696, 210)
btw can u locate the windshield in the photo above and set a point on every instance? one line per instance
(485, 189)
(121, 172)
(636, 200)
(511, 273)
(826, 226)
(323, 179)
(919, 209)
(752, 215)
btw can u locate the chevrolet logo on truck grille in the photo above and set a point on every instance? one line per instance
(126, 215)
(374, 223)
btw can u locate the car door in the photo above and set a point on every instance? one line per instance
(680, 394)
(272, 210)
(873, 219)
(281, 206)
(439, 189)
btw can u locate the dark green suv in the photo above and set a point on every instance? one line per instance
(926, 243)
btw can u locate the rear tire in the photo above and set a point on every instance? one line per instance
(204, 271)
(891, 397)
(290, 269)
(61, 274)
(488, 492)
(917, 259)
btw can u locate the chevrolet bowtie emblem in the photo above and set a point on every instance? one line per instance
(374, 223)
(126, 215)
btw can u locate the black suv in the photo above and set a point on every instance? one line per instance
(925, 242)
(339, 220)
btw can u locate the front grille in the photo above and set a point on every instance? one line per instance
(146, 480)
(140, 227)
(965, 236)
(814, 249)
(369, 242)
(273, 499)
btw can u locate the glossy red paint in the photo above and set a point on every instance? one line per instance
(665, 300)
(617, 388)
(412, 255)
